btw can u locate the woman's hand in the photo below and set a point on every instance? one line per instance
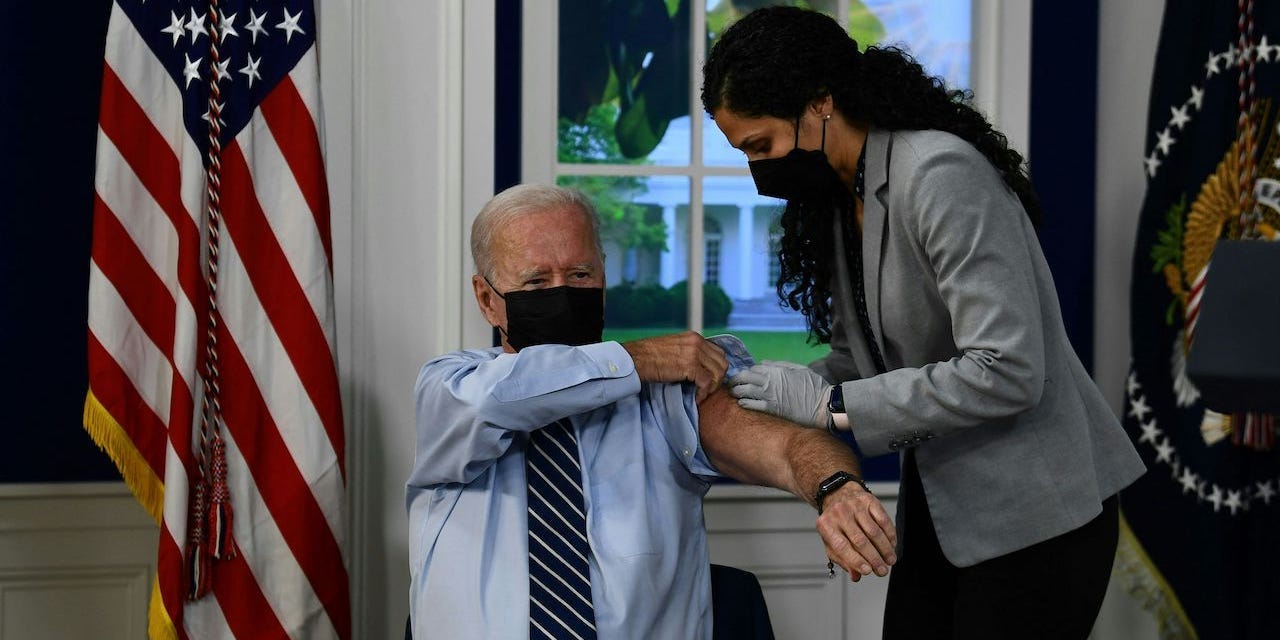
(784, 389)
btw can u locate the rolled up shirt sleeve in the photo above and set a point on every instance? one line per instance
(470, 404)
(676, 411)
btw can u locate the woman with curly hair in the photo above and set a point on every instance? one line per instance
(910, 246)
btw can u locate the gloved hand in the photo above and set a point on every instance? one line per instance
(784, 389)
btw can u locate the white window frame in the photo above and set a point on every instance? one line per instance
(1000, 79)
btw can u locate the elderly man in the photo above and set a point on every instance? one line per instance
(558, 482)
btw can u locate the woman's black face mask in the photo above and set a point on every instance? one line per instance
(801, 175)
(556, 315)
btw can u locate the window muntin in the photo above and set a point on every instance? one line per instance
(678, 187)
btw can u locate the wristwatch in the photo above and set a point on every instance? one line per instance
(835, 408)
(833, 482)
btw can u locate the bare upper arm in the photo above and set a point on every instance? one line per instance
(747, 446)
(758, 448)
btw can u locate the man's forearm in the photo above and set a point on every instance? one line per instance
(814, 455)
(758, 448)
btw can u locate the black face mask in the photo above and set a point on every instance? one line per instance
(802, 175)
(556, 315)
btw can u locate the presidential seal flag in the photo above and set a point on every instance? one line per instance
(1200, 537)
(212, 378)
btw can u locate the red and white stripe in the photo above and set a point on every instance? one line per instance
(278, 375)
(1192, 314)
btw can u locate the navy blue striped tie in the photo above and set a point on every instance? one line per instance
(559, 571)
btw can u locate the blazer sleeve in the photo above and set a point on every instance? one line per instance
(838, 365)
(971, 228)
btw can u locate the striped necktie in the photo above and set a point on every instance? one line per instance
(559, 572)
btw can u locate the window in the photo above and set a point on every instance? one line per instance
(611, 107)
(712, 228)
(775, 245)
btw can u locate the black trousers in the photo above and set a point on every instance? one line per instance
(1049, 590)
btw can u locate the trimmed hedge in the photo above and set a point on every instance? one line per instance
(650, 305)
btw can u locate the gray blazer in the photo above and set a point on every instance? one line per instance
(1013, 440)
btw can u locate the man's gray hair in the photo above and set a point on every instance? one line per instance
(520, 200)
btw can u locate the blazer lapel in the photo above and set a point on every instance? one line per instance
(844, 309)
(874, 219)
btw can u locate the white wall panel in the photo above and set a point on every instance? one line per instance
(771, 534)
(410, 120)
(76, 561)
(1128, 33)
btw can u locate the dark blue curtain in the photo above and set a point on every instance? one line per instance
(51, 70)
(1064, 115)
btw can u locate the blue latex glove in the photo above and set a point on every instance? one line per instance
(784, 389)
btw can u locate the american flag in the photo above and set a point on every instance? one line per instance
(212, 377)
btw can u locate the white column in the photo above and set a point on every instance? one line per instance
(667, 269)
(746, 238)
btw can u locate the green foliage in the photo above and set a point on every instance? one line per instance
(864, 27)
(591, 139)
(634, 55)
(1167, 248)
(622, 222)
(780, 345)
(763, 345)
(615, 109)
(650, 305)
(629, 305)
(716, 305)
(630, 53)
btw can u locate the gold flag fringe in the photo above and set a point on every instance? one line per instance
(111, 438)
(159, 626)
(1147, 585)
(146, 487)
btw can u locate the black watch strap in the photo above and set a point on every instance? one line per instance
(833, 482)
(835, 400)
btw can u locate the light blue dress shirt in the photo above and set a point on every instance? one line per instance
(644, 476)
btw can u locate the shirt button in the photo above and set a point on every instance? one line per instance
(613, 368)
(686, 453)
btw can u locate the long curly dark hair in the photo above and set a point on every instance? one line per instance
(777, 60)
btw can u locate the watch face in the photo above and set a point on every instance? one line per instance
(837, 480)
(840, 477)
(835, 402)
